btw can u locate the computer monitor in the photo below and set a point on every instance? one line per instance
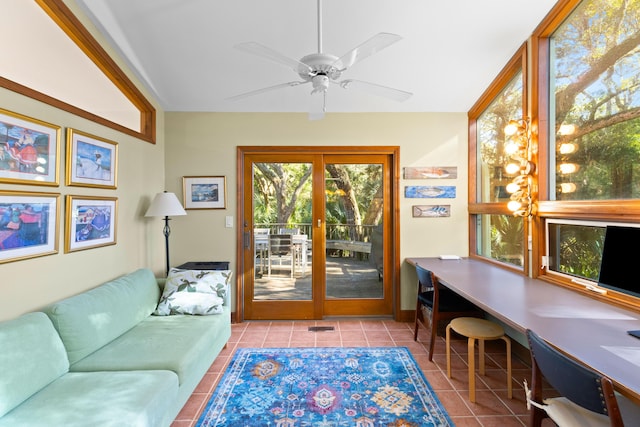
(618, 269)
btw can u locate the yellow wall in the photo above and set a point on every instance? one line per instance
(32, 283)
(29, 284)
(204, 144)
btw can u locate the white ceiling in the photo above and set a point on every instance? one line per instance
(183, 49)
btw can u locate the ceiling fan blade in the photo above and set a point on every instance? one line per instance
(266, 89)
(368, 48)
(375, 89)
(272, 55)
(318, 106)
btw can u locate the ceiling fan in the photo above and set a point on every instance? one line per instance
(323, 69)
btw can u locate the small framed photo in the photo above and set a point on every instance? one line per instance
(91, 161)
(91, 222)
(204, 192)
(431, 172)
(28, 225)
(431, 211)
(430, 191)
(29, 150)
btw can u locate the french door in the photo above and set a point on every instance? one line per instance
(316, 233)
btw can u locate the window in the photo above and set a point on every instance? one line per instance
(496, 234)
(591, 96)
(585, 116)
(575, 248)
(594, 82)
(67, 75)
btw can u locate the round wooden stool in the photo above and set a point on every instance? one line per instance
(481, 330)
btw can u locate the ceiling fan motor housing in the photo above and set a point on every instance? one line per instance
(320, 64)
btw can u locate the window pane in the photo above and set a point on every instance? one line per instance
(500, 238)
(576, 249)
(595, 100)
(48, 61)
(492, 178)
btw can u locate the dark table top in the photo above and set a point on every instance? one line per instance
(584, 328)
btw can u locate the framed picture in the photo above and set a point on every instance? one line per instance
(91, 222)
(426, 191)
(28, 225)
(204, 192)
(431, 211)
(91, 161)
(29, 150)
(432, 172)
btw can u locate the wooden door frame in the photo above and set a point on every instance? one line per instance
(391, 250)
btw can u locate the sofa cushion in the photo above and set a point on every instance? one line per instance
(194, 292)
(175, 343)
(93, 318)
(88, 399)
(31, 356)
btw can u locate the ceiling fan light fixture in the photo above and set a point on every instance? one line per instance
(320, 83)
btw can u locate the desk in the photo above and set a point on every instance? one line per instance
(588, 330)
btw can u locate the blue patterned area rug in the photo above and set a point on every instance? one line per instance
(324, 387)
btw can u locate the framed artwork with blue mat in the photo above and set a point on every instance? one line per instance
(324, 386)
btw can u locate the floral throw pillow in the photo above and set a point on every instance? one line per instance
(194, 292)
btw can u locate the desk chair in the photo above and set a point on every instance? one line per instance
(442, 303)
(281, 248)
(587, 397)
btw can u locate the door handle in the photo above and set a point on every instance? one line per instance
(247, 239)
(319, 223)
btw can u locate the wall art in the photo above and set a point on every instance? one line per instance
(204, 192)
(434, 172)
(28, 225)
(431, 211)
(29, 150)
(422, 191)
(91, 161)
(91, 222)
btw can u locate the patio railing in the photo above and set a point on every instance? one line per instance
(334, 232)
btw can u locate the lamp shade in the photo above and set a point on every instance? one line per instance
(165, 204)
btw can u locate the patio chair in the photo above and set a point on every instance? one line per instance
(261, 245)
(281, 249)
(440, 303)
(288, 231)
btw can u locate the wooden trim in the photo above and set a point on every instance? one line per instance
(517, 62)
(70, 24)
(609, 210)
(61, 105)
(555, 17)
(393, 254)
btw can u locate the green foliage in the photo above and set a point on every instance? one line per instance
(580, 250)
(506, 238)
(281, 185)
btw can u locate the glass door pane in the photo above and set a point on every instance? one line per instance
(282, 195)
(354, 204)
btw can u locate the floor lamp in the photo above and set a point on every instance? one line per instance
(166, 205)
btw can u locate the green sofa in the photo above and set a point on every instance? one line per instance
(101, 358)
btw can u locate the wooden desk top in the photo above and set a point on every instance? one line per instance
(591, 331)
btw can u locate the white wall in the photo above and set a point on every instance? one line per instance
(205, 144)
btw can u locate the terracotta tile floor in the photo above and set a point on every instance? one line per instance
(492, 407)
